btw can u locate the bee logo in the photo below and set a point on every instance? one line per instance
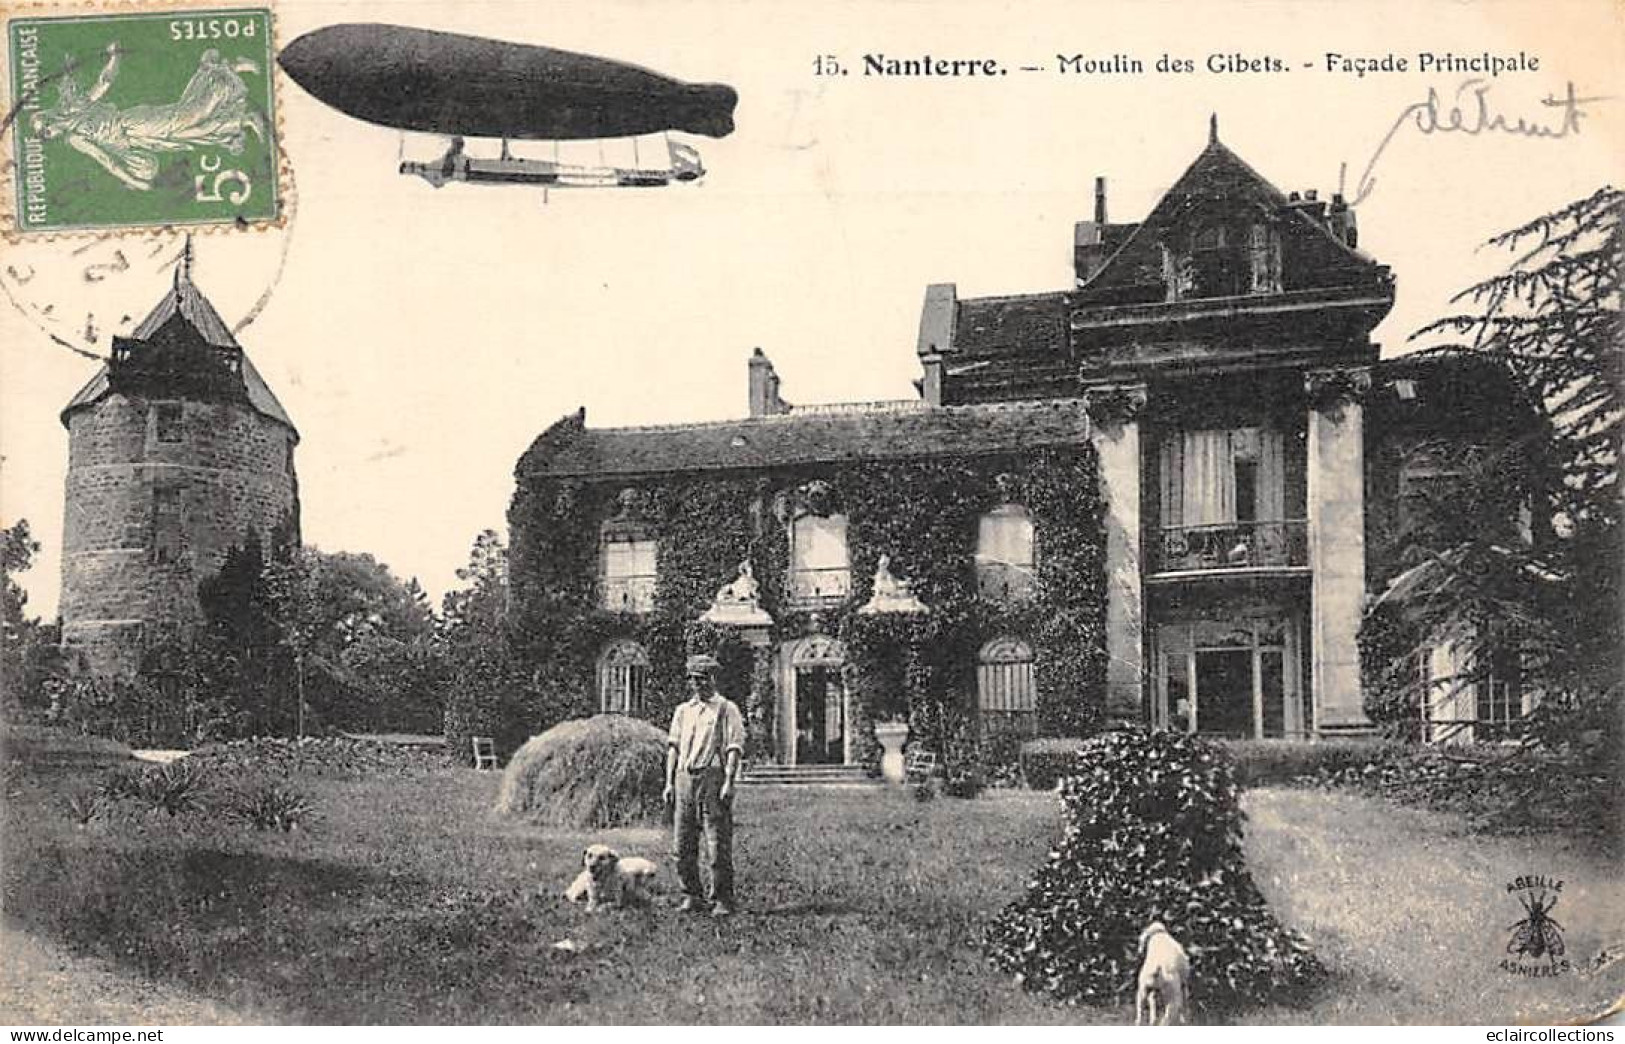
(1538, 935)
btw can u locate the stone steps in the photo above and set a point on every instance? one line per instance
(807, 774)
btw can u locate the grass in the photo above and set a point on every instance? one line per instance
(407, 902)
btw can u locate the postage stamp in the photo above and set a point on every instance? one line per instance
(140, 119)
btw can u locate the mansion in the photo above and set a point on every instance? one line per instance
(1164, 495)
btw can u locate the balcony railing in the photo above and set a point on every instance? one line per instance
(629, 594)
(816, 585)
(1234, 545)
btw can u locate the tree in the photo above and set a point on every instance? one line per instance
(482, 604)
(490, 691)
(1552, 321)
(27, 646)
(364, 633)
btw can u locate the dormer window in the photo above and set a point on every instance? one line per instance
(630, 571)
(820, 568)
(1220, 260)
(1005, 560)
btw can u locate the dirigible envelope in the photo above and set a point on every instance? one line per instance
(447, 83)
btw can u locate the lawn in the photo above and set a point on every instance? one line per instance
(406, 902)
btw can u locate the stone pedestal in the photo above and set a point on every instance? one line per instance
(891, 735)
(1115, 434)
(1336, 487)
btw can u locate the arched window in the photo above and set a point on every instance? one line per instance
(1006, 566)
(819, 566)
(623, 676)
(1006, 691)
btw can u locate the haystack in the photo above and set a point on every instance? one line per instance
(604, 771)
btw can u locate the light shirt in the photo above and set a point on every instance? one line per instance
(703, 731)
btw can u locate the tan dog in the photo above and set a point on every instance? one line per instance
(608, 879)
(1165, 973)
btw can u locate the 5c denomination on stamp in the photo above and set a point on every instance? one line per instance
(135, 120)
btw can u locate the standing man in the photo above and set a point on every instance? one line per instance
(702, 762)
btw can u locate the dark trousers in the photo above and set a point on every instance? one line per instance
(700, 809)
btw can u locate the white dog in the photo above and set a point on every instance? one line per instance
(608, 879)
(1165, 973)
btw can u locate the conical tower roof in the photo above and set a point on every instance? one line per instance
(185, 303)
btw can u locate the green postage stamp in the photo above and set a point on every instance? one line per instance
(131, 120)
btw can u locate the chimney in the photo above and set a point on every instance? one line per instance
(938, 318)
(1341, 221)
(1309, 202)
(764, 387)
(1088, 239)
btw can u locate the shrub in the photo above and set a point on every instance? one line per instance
(335, 756)
(121, 783)
(172, 788)
(1153, 832)
(604, 771)
(1045, 762)
(944, 726)
(1261, 763)
(1392, 697)
(85, 804)
(270, 807)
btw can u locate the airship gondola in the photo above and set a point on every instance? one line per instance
(458, 86)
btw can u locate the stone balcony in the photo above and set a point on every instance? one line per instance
(1281, 545)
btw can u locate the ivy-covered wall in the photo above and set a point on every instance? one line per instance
(922, 512)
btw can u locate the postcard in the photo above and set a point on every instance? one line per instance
(898, 514)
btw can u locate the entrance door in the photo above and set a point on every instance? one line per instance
(820, 716)
(1224, 692)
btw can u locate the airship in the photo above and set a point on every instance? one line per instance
(459, 86)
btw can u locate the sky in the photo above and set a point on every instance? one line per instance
(420, 338)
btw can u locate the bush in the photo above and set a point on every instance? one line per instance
(270, 807)
(1045, 762)
(493, 695)
(1153, 832)
(1262, 763)
(172, 788)
(603, 771)
(85, 804)
(944, 726)
(333, 756)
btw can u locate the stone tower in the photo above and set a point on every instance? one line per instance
(177, 451)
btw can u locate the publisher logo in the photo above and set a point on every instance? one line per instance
(1535, 948)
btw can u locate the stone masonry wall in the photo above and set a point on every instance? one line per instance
(125, 584)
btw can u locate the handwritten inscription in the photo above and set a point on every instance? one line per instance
(1470, 111)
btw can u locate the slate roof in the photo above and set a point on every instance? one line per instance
(1217, 173)
(1005, 325)
(187, 301)
(1001, 326)
(807, 436)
